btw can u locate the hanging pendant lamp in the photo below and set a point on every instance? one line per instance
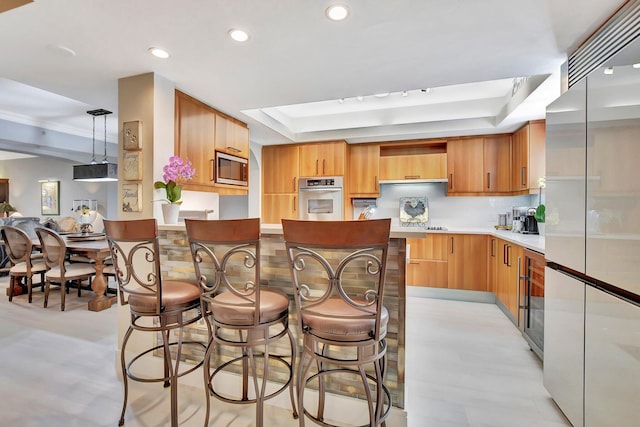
(97, 172)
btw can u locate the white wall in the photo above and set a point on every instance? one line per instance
(447, 211)
(24, 188)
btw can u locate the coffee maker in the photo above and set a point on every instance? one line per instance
(530, 222)
(519, 214)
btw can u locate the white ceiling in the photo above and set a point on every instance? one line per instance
(296, 56)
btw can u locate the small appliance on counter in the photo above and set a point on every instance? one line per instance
(530, 222)
(519, 214)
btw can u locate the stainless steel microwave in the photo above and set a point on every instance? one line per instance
(231, 170)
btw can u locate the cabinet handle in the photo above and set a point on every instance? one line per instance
(450, 181)
(294, 203)
(295, 183)
(451, 244)
(316, 166)
(504, 254)
(411, 176)
(375, 180)
(488, 180)
(211, 169)
(493, 247)
(522, 172)
(237, 150)
(323, 168)
(508, 255)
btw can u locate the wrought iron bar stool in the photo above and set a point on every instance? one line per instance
(241, 314)
(338, 269)
(156, 305)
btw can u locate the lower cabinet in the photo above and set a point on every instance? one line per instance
(279, 206)
(455, 261)
(507, 275)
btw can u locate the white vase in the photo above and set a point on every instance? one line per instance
(170, 213)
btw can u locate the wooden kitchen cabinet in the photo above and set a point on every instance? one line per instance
(527, 161)
(323, 159)
(467, 262)
(232, 136)
(492, 265)
(509, 266)
(497, 164)
(479, 165)
(278, 206)
(417, 166)
(465, 165)
(363, 172)
(194, 138)
(428, 261)
(280, 164)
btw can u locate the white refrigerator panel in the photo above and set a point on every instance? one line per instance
(613, 177)
(564, 343)
(612, 361)
(565, 179)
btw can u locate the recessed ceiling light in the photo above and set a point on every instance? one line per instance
(341, 100)
(158, 52)
(337, 12)
(405, 93)
(608, 70)
(636, 65)
(381, 95)
(360, 98)
(238, 35)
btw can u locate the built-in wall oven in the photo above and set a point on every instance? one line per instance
(320, 198)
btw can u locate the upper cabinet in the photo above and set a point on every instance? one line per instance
(464, 165)
(194, 139)
(280, 165)
(364, 170)
(527, 159)
(201, 130)
(479, 165)
(323, 159)
(415, 160)
(232, 136)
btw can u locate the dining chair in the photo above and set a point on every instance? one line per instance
(59, 270)
(241, 314)
(23, 264)
(159, 306)
(338, 273)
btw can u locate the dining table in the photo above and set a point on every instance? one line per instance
(97, 249)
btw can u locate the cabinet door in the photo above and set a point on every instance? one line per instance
(467, 262)
(232, 137)
(432, 247)
(492, 265)
(278, 206)
(195, 125)
(497, 164)
(323, 159)
(416, 166)
(520, 159)
(363, 170)
(279, 169)
(512, 276)
(528, 152)
(464, 165)
(427, 272)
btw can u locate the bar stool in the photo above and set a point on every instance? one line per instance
(240, 314)
(157, 306)
(338, 269)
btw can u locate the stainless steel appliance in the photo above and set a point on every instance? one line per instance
(321, 198)
(518, 215)
(592, 291)
(530, 223)
(231, 170)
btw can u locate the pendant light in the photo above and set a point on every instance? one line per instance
(97, 172)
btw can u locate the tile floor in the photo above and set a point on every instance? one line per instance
(467, 365)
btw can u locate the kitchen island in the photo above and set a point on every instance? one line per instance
(176, 263)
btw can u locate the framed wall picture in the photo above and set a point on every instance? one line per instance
(132, 166)
(131, 135)
(131, 197)
(50, 198)
(414, 210)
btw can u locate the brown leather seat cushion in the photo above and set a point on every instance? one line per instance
(336, 320)
(175, 294)
(227, 308)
